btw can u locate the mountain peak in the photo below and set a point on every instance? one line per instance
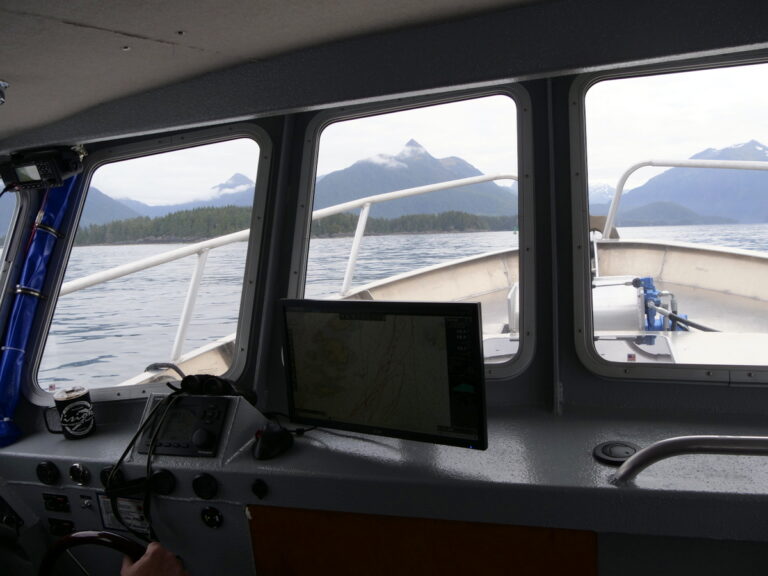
(414, 166)
(751, 150)
(713, 193)
(411, 149)
(238, 178)
(751, 144)
(236, 183)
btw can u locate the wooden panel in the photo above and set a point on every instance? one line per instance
(289, 541)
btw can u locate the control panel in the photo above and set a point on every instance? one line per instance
(192, 427)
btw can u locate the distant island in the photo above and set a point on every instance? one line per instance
(184, 226)
(453, 221)
(203, 223)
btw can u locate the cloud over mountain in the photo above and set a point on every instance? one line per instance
(411, 167)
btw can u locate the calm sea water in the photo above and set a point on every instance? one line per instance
(383, 256)
(746, 236)
(110, 332)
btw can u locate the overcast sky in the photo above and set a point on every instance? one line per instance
(482, 131)
(672, 116)
(629, 120)
(178, 176)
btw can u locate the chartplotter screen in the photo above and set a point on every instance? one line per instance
(410, 370)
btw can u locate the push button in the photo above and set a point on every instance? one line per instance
(614, 453)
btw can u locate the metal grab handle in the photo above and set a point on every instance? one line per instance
(741, 445)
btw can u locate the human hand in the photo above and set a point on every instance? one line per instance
(157, 561)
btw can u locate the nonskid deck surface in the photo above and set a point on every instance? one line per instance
(718, 310)
(741, 324)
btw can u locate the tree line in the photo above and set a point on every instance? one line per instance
(203, 223)
(345, 224)
(184, 226)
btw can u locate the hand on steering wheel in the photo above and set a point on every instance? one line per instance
(138, 561)
(156, 561)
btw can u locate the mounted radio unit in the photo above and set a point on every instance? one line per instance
(43, 169)
(193, 426)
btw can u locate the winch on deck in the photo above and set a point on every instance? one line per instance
(631, 303)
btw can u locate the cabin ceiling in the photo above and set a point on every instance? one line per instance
(60, 58)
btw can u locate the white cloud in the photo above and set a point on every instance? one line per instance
(218, 190)
(385, 160)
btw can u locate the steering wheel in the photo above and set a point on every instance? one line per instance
(111, 540)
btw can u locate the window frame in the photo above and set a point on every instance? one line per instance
(149, 147)
(527, 272)
(11, 252)
(10, 240)
(715, 374)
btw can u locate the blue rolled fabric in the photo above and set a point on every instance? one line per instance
(36, 265)
(25, 304)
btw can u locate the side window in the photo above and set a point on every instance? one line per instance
(7, 210)
(678, 204)
(157, 268)
(422, 204)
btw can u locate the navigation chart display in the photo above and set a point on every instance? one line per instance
(404, 369)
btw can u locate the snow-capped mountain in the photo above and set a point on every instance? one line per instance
(236, 191)
(740, 195)
(414, 166)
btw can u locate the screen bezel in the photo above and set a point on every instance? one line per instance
(470, 310)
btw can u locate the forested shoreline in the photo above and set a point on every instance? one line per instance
(204, 223)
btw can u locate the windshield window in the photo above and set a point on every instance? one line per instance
(118, 313)
(451, 234)
(680, 267)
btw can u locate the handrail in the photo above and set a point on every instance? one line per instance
(367, 202)
(151, 262)
(201, 249)
(681, 445)
(405, 192)
(691, 163)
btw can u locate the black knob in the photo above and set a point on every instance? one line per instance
(212, 517)
(118, 477)
(205, 486)
(203, 439)
(48, 473)
(163, 482)
(260, 489)
(79, 474)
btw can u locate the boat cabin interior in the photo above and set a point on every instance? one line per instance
(346, 287)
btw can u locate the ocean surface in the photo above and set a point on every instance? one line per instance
(107, 333)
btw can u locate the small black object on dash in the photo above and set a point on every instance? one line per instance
(271, 442)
